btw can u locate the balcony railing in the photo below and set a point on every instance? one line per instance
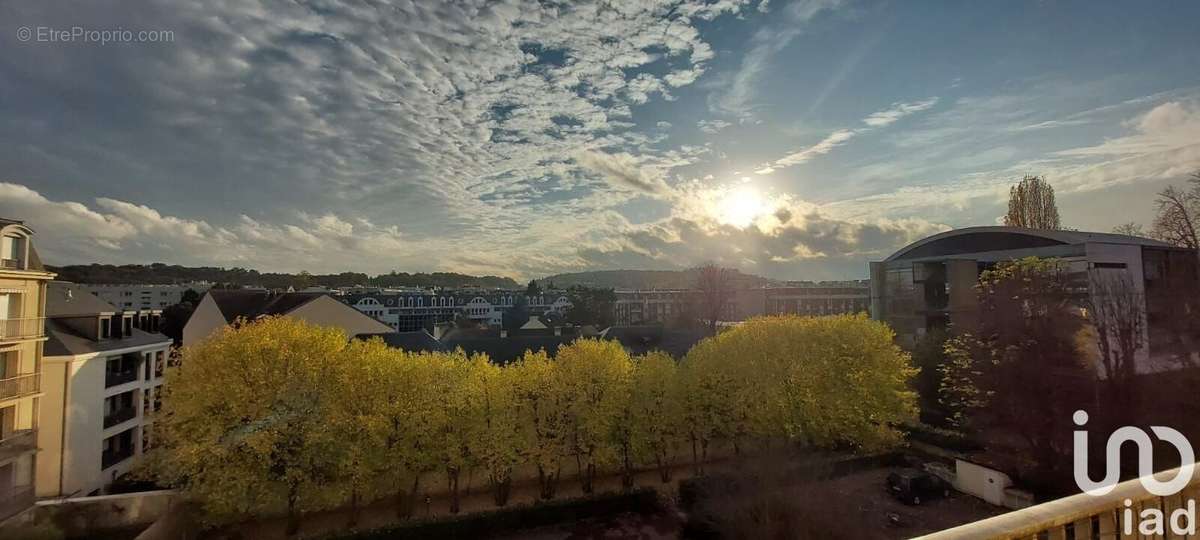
(1080, 516)
(10, 264)
(15, 443)
(14, 500)
(113, 378)
(16, 329)
(109, 458)
(21, 385)
(119, 416)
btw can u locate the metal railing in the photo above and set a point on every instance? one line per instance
(113, 378)
(14, 329)
(10, 263)
(1080, 516)
(20, 385)
(109, 458)
(15, 443)
(14, 500)
(119, 416)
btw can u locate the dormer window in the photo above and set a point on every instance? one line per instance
(12, 252)
(105, 327)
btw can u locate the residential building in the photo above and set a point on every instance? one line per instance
(144, 296)
(409, 311)
(930, 283)
(668, 306)
(23, 282)
(824, 298)
(219, 308)
(102, 381)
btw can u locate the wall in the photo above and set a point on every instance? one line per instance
(83, 516)
(987, 484)
(204, 321)
(325, 311)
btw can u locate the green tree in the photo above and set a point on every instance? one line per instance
(190, 296)
(533, 289)
(1020, 370)
(591, 306)
(516, 316)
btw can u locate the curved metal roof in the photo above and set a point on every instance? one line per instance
(996, 238)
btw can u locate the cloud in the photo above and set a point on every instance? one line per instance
(712, 127)
(623, 170)
(789, 240)
(879, 119)
(736, 95)
(898, 111)
(120, 232)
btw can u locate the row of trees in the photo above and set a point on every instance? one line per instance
(280, 414)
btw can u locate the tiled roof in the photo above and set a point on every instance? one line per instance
(252, 304)
(62, 341)
(418, 341)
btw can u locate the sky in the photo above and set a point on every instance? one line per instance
(790, 140)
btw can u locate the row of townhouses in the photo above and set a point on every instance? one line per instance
(405, 311)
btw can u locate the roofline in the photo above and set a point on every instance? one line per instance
(1061, 236)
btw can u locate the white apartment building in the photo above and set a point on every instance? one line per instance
(22, 333)
(101, 379)
(411, 311)
(128, 297)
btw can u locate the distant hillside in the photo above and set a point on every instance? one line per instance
(159, 273)
(642, 279)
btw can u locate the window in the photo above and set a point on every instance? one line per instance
(105, 327)
(117, 448)
(119, 408)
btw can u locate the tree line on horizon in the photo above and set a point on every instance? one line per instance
(164, 274)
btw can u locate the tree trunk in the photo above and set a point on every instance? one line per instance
(664, 470)
(452, 484)
(502, 490)
(293, 515)
(354, 510)
(588, 476)
(547, 482)
(696, 470)
(627, 468)
(406, 502)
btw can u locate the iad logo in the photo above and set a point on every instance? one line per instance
(1153, 521)
(1112, 451)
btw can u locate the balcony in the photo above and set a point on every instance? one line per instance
(14, 500)
(119, 416)
(18, 329)
(108, 458)
(1081, 516)
(21, 385)
(11, 264)
(15, 443)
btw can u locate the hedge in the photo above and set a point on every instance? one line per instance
(517, 517)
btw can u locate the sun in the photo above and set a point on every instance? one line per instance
(740, 207)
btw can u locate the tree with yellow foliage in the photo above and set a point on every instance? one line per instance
(819, 381)
(452, 426)
(656, 411)
(245, 422)
(541, 406)
(357, 420)
(495, 441)
(594, 375)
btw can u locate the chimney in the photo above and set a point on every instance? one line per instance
(503, 333)
(558, 330)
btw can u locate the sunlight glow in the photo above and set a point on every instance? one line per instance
(741, 207)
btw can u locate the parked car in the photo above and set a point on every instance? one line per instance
(911, 486)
